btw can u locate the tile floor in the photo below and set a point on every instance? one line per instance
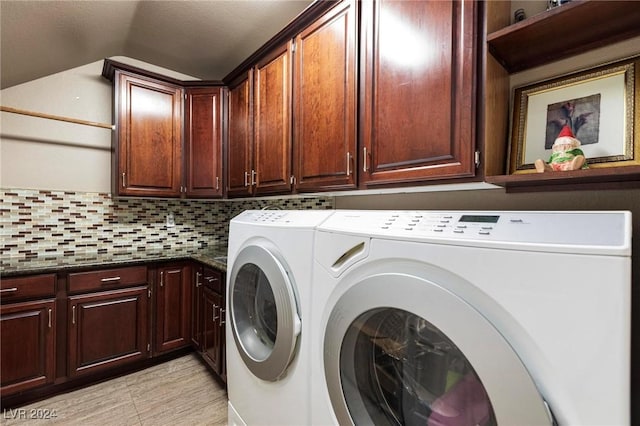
(178, 392)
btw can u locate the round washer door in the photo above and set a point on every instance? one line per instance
(263, 312)
(401, 350)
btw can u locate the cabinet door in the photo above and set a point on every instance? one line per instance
(148, 141)
(27, 345)
(212, 331)
(272, 122)
(107, 329)
(418, 62)
(325, 102)
(240, 137)
(173, 308)
(196, 308)
(203, 142)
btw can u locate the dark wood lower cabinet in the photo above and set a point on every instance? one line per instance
(63, 331)
(27, 345)
(208, 325)
(212, 335)
(173, 307)
(107, 329)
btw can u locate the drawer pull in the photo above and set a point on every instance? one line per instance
(222, 311)
(109, 280)
(9, 290)
(211, 279)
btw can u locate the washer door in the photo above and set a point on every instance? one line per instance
(264, 316)
(400, 350)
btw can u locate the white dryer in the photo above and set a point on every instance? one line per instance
(472, 318)
(268, 304)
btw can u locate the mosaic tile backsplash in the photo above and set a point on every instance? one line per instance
(35, 223)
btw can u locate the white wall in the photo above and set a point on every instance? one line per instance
(38, 153)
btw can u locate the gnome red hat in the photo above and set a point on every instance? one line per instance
(565, 140)
(566, 131)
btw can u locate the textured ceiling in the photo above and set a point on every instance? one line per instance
(205, 39)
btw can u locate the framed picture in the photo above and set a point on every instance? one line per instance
(600, 107)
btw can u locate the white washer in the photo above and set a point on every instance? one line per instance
(464, 318)
(268, 305)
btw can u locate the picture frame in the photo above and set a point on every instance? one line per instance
(600, 105)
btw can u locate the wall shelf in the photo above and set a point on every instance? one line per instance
(600, 178)
(564, 31)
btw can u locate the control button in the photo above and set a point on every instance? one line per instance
(459, 231)
(441, 225)
(516, 221)
(484, 232)
(444, 221)
(409, 229)
(461, 226)
(448, 217)
(438, 230)
(486, 227)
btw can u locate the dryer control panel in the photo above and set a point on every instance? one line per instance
(289, 218)
(587, 229)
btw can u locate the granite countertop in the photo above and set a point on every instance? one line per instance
(214, 256)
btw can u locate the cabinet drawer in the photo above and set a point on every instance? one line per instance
(28, 287)
(106, 279)
(213, 279)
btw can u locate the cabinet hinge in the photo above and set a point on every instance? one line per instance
(477, 159)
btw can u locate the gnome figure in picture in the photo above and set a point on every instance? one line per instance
(566, 154)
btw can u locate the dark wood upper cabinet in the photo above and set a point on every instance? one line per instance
(272, 122)
(148, 138)
(325, 132)
(240, 136)
(203, 142)
(418, 106)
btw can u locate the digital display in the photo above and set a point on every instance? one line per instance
(481, 219)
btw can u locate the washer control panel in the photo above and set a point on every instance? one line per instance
(441, 224)
(588, 228)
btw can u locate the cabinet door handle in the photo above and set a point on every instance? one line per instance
(73, 315)
(50, 317)
(123, 183)
(348, 164)
(198, 276)
(364, 159)
(211, 279)
(109, 280)
(222, 311)
(253, 177)
(161, 279)
(214, 317)
(217, 183)
(246, 178)
(9, 290)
